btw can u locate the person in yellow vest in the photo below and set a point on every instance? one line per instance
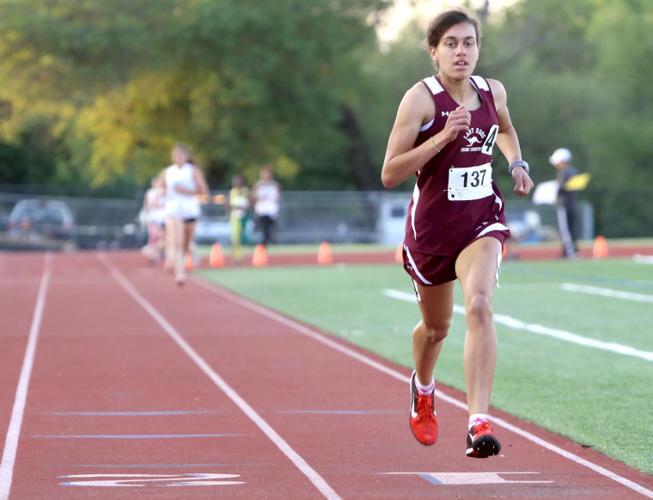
(238, 206)
(566, 201)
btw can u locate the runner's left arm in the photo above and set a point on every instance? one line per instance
(508, 141)
(200, 182)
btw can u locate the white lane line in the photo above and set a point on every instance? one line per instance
(323, 339)
(312, 475)
(517, 324)
(643, 259)
(606, 292)
(20, 400)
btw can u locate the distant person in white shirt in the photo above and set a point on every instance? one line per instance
(154, 211)
(183, 183)
(266, 196)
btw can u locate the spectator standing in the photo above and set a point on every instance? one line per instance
(566, 201)
(238, 207)
(267, 198)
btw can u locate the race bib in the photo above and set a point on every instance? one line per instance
(470, 183)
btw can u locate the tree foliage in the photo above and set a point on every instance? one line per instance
(97, 91)
(243, 82)
(577, 75)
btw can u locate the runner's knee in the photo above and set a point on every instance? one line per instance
(478, 308)
(435, 331)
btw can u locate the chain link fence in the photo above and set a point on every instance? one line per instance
(305, 217)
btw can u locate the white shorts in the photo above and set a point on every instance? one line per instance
(183, 208)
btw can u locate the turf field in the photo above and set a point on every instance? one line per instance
(575, 338)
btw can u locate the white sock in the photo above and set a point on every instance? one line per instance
(476, 418)
(424, 389)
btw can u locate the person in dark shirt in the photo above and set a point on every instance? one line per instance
(566, 203)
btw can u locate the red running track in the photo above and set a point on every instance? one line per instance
(141, 390)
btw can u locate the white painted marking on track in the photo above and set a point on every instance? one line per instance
(323, 339)
(134, 436)
(566, 336)
(141, 480)
(18, 411)
(606, 292)
(301, 464)
(470, 478)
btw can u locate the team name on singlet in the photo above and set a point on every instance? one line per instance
(480, 141)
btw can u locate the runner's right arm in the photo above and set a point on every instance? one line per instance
(402, 160)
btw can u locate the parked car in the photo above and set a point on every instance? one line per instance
(213, 225)
(41, 219)
(391, 222)
(526, 226)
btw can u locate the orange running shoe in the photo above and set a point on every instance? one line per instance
(423, 419)
(481, 442)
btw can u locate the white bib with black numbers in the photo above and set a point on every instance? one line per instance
(470, 183)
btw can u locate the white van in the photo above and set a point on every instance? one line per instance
(392, 219)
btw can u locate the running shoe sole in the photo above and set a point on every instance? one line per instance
(484, 447)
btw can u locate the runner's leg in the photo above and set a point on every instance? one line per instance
(436, 306)
(476, 268)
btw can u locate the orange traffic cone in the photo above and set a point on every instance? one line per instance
(260, 257)
(216, 259)
(188, 262)
(324, 254)
(399, 254)
(600, 248)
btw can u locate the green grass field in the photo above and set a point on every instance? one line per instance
(597, 397)
(205, 250)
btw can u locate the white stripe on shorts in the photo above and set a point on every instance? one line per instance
(497, 226)
(414, 266)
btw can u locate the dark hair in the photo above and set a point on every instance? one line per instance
(446, 20)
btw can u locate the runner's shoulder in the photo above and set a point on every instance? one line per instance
(497, 88)
(419, 102)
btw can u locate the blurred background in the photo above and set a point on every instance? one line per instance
(93, 95)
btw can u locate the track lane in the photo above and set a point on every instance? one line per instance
(14, 425)
(115, 410)
(343, 416)
(21, 277)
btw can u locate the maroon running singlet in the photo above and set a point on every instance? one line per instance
(455, 199)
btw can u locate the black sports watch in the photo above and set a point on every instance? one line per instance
(518, 163)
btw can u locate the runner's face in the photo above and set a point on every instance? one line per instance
(457, 52)
(179, 157)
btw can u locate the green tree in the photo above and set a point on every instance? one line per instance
(576, 74)
(620, 136)
(243, 82)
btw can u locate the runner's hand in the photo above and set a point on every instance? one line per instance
(523, 183)
(459, 120)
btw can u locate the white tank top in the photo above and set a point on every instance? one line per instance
(267, 199)
(155, 206)
(179, 204)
